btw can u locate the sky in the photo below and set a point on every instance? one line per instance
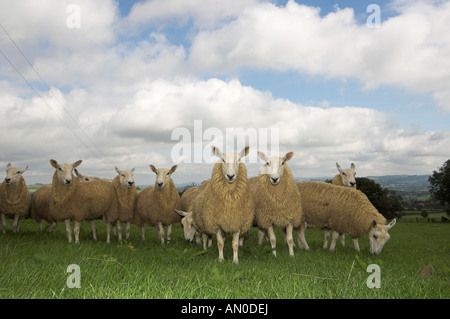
(134, 83)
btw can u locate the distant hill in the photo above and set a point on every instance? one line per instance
(403, 182)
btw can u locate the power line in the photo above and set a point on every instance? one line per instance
(54, 95)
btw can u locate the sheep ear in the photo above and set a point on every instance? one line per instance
(181, 213)
(24, 170)
(338, 167)
(263, 157)
(288, 156)
(77, 163)
(132, 170)
(216, 151)
(153, 168)
(244, 152)
(117, 170)
(76, 172)
(353, 166)
(8, 165)
(373, 224)
(54, 163)
(391, 224)
(173, 169)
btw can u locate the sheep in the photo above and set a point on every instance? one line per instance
(126, 193)
(185, 207)
(346, 178)
(277, 200)
(40, 206)
(225, 206)
(15, 199)
(156, 204)
(344, 210)
(71, 199)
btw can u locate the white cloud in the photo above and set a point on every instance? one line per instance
(410, 50)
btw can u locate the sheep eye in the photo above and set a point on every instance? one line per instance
(123, 175)
(60, 169)
(167, 173)
(282, 163)
(18, 172)
(343, 174)
(375, 237)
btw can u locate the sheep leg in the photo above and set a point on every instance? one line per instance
(260, 236)
(273, 240)
(342, 239)
(326, 237)
(289, 239)
(235, 245)
(127, 230)
(204, 240)
(40, 226)
(68, 230)
(108, 232)
(4, 223)
(161, 232)
(169, 234)
(94, 230)
(76, 231)
(16, 222)
(143, 232)
(220, 243)
(356, 244)
(301, 236)
(119, 231)
(334, 238)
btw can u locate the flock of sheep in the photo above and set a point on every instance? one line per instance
(227, 203)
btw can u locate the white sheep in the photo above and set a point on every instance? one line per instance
(346, 178)
(15, 199)
(156, 205)
(126, 193)
(79, 201)
(40, 206)
(277, 200)
(344, 210)
(225, 206)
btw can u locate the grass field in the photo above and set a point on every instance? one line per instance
(34, 266)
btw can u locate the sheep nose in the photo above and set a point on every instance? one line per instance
(352, 184)
(230, 177)
(160, 185)
(130, 183)
(274, 180)
(67, 181)
(7, 180)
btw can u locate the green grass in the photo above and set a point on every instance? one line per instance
(34, 266)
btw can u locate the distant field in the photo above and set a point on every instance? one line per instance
(34, 266)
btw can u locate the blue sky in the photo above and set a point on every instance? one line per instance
(132, 72)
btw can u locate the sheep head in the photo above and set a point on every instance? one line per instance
(64, 171)
(274, 166)
(13, 174)
(378, 236)
(80, 177)
(125, 177)
(347, 175)
(187, 222)
(162, 175)
(230, 162)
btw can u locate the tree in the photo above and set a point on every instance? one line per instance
(386, 201)
(440, 185)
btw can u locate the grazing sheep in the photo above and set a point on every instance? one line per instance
(277, 200)
(346, 178)
(344, 210)
(156, 204)
(185, 210)
(225, 206)
(126, 194)
(71, 199)
(15, 199)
